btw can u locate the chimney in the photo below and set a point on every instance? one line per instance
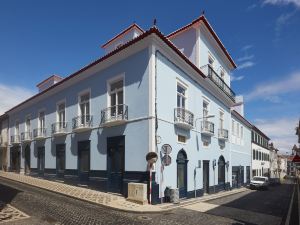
(47, 83)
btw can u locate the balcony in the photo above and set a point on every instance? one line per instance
(183, 118)
(207, 128)
(218, 81)
(15, 139)
(82, 123)
(26, 136)
(115, 115)
(39, 133)
(223, 134)
(59, 129)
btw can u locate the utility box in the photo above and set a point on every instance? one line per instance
(137, 192)
(174, 195)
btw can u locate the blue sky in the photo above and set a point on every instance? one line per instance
(40, 38)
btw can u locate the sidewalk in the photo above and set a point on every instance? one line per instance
(107, 199)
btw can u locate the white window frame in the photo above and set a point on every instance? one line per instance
(26, 127)
(108, 85)
(205, 100)
(39, 121)
(210, 56)
(57, 110)
(84, 92)
(185, 96)
(233, 127)
(221, 119)
(17, 122)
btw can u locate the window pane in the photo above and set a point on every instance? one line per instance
(116, 85)
(120, 97)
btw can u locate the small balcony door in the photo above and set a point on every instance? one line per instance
(27, 124)
(85, 108)
(116, 98)
(41, 121)
(61, 116)
(181, 96)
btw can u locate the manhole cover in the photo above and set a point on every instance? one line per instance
(144, 218)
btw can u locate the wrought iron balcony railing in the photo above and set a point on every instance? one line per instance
(39, 133)
(218, 81)
(207, 127)
(115, 114)
(82, 123)
(59, 128)
(183, 118)
(223, 134)
(26, 136)
(15, 139)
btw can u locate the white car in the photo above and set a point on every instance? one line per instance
(259, 183)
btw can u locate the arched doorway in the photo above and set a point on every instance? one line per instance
(27, 159)
(221, 171)
(182, 173)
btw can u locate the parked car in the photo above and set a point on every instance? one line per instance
(259, 183)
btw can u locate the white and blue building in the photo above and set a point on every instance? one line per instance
(97, 125)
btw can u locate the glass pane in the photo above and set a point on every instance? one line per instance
(85, 97)
(113, 99)
(180, 90)
(178, 101)
(116, 85)
(120, 98)
(180, 178)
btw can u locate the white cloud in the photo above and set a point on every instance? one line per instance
(246, 47)
(281, 131)
(10, 96)
(245, 65)
(250, 7)
(238, 78)
(273, 89)
(282, 2)
(282, 21)
(245, 58)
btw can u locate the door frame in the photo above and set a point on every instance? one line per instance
(183, 193)
(206, 162)
(27, 148)
(58, 174)
(39, 149)
(113, 142)
(83, 176)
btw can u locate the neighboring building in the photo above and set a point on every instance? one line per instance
(260, 153)
(282, 166)
(240, 150)
(97, 125)
(3, 142)
(274, 161)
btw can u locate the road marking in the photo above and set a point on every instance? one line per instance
(238, 214)
(288, 217)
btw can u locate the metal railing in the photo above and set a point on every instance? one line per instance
(26, 136)
(83, 121)
(182, 115)
(223, 133)
(217, 80)
(15, 139)
(59, 127)
(207, 126)
(114, 113)
(39, 133)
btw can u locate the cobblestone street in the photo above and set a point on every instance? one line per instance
(45, 207)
